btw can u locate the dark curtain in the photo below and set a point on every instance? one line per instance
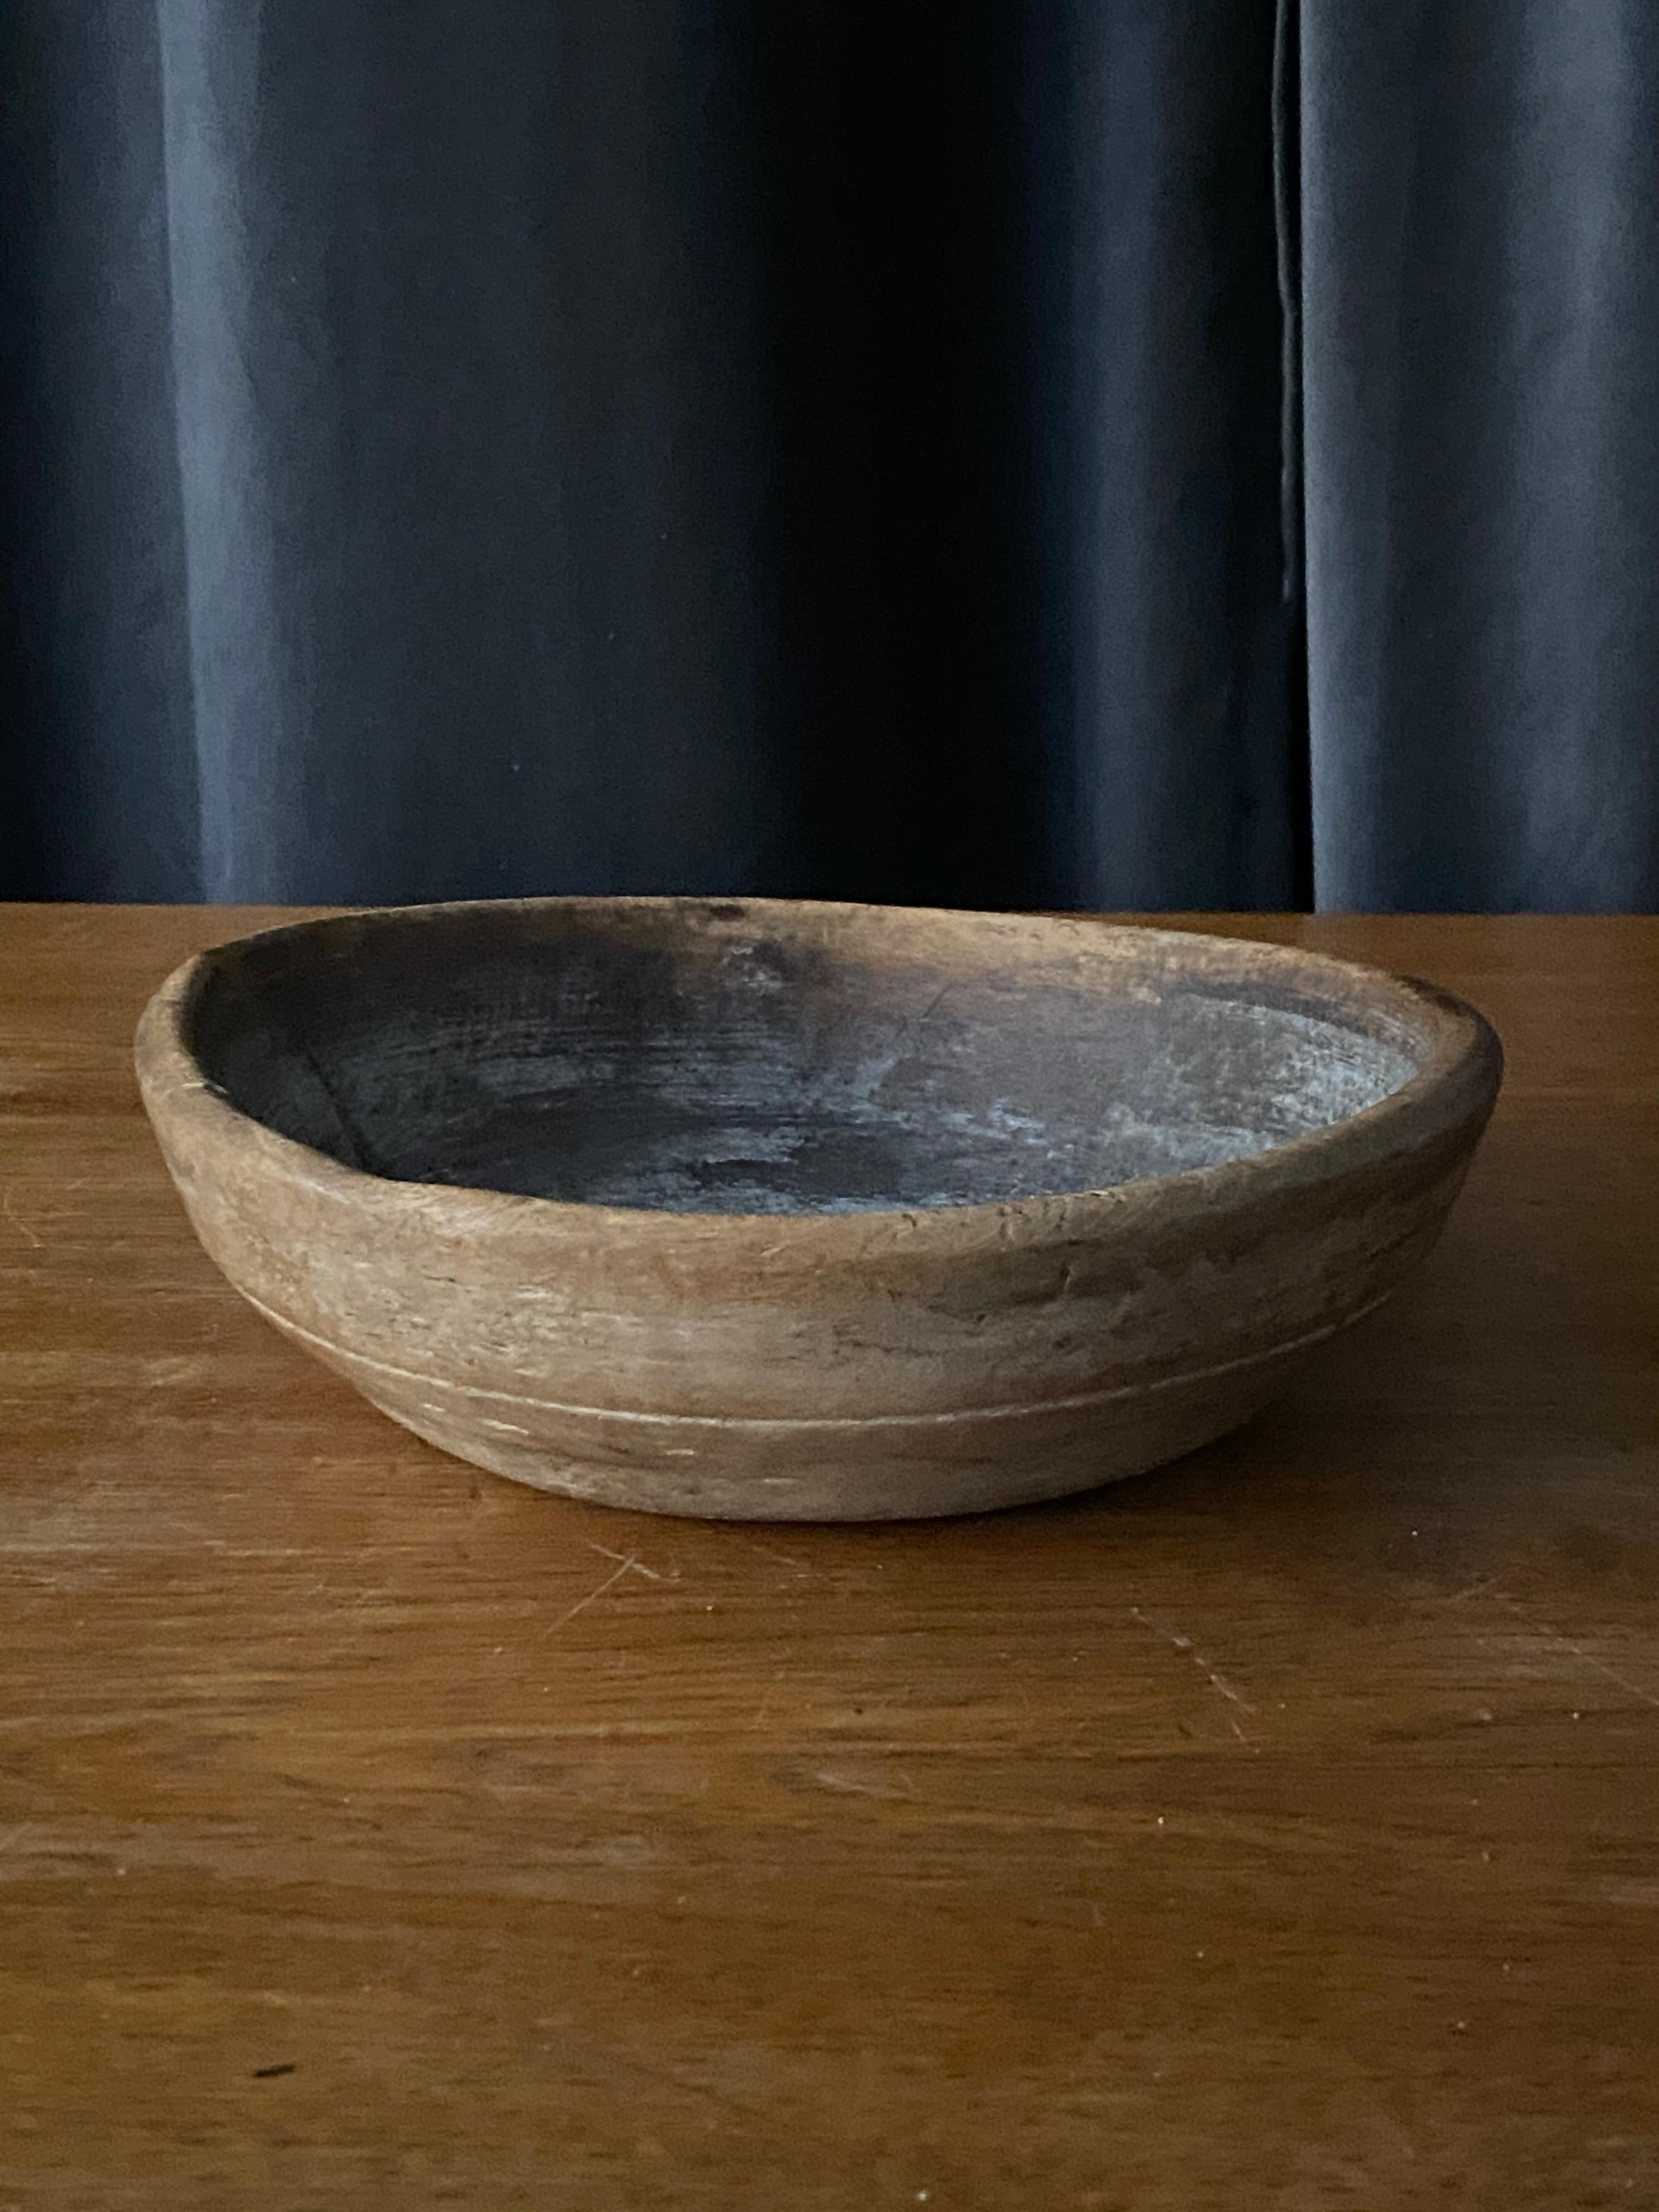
(1481, 299)
(783, 446)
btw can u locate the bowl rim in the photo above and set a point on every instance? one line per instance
(1452, 1092)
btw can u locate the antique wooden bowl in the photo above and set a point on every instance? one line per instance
(788, 1210)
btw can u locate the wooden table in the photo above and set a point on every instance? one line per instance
(1279, 1830)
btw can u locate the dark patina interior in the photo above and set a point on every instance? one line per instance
(714, 1056)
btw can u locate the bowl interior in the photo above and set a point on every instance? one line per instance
(742, 1059)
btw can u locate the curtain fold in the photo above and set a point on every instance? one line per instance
(703, 445)
(1481, 314)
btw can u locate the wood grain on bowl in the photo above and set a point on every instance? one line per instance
(788, 1210)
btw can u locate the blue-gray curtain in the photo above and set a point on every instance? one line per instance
(1074, 452)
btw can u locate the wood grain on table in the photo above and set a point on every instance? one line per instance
(1280, 1830)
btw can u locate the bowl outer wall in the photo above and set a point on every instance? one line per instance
(858, 1318)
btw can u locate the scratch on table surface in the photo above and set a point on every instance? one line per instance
(771, 1550)
(671, 2076)
(765, 1704)
(1553, 1635)
(1217, 1680)
(859, 1785)
(21, 1226)
(626, 1559)
(1603, 1667)
(1484, 1587)
(629, 1566)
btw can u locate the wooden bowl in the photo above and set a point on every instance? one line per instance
(780, 1210)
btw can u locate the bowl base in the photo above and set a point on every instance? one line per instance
(908, 1470)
